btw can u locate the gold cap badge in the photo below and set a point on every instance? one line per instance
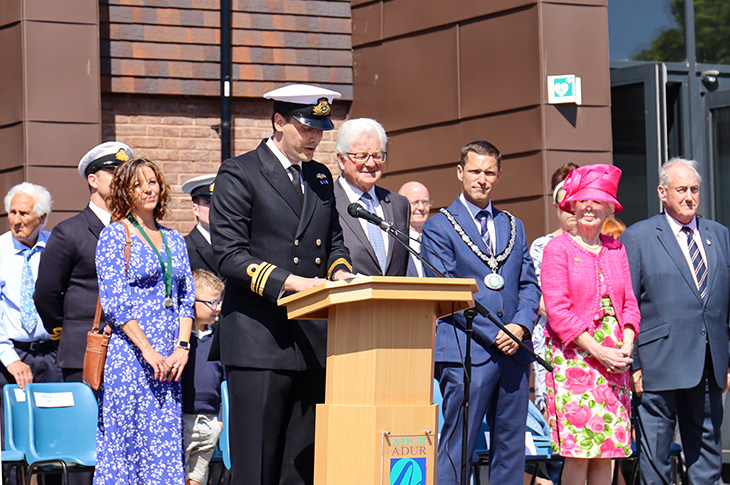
(121, 155)
(322, 108)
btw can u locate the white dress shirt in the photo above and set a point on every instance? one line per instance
(415, 244)
(285, 162)
(206, 234)
(104, 215)
(11, 268)
(353, 195)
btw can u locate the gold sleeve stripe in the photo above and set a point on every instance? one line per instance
(56, 335)
(259, 274)
(337, 263)
(264, 277)
(255, 282)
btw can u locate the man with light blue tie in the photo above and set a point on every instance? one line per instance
(473, 239)
(361, 156)
(27, 353)
(680, 273)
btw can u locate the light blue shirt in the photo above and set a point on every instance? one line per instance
(474, 210)
(11, 267)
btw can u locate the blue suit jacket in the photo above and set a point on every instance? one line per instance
(516, 302)
(676, 323)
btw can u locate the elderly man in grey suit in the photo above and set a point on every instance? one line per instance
(680, 270)
(361, 155)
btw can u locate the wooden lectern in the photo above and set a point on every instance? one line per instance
(378, 423)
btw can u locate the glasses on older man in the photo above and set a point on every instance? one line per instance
(363, 157)
(212, 304)
(416, 203)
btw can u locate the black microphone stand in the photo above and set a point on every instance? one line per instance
(481, 309)
(470, 314)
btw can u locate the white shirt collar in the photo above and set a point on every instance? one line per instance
(283, 159)
(203, 334)
(104, 215)
(206, 234)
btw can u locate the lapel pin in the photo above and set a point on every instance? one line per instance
(577, 260)
(709, 243)
(322, 178)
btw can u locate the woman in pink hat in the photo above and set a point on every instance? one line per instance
(592, 322)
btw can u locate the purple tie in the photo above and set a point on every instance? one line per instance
(483, 217)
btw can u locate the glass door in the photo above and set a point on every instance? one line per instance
(718, 106)
(638, 112)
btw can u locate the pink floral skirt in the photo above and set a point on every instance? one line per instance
(588, 407)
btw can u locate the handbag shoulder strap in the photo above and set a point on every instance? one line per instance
(127, 252)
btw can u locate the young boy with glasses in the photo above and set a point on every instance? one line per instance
(201, 381)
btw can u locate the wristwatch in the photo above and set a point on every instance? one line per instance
(183, 345)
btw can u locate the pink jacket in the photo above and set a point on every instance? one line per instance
(570, 286)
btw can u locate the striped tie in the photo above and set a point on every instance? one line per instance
(483, 217)
(697, 262)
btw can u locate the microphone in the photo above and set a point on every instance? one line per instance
(357, 211)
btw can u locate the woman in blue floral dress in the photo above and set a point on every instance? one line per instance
(149, 305)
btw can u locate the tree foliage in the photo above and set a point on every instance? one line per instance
(712, 34)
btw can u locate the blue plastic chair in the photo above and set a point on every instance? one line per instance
(223, 442)
(16, 423)
(61, 439)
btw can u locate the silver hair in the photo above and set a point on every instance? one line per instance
(351, 130)
(42, 200)
(691, 164)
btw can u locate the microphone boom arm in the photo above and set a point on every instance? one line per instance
(483, 311)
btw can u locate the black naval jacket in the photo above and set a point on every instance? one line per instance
(67, 288)
(200, 252)
(261, 233)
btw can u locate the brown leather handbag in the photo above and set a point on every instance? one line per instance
(97, 339)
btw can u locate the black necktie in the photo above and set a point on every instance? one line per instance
(296, 179)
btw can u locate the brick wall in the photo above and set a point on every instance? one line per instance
(176, 134)
(172, 47)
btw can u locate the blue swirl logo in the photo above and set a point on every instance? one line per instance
(407, 471)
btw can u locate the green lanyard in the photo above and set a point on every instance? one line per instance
(166, 270)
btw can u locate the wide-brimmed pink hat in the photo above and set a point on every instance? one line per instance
(592, 182)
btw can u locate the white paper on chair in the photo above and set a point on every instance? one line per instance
(19, 394)
(54, 399)
(530, 448)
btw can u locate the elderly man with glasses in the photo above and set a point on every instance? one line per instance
(361, 157)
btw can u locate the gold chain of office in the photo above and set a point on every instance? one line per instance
(492, 261)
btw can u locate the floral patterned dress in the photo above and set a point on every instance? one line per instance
(139, 437)
(588, 406)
